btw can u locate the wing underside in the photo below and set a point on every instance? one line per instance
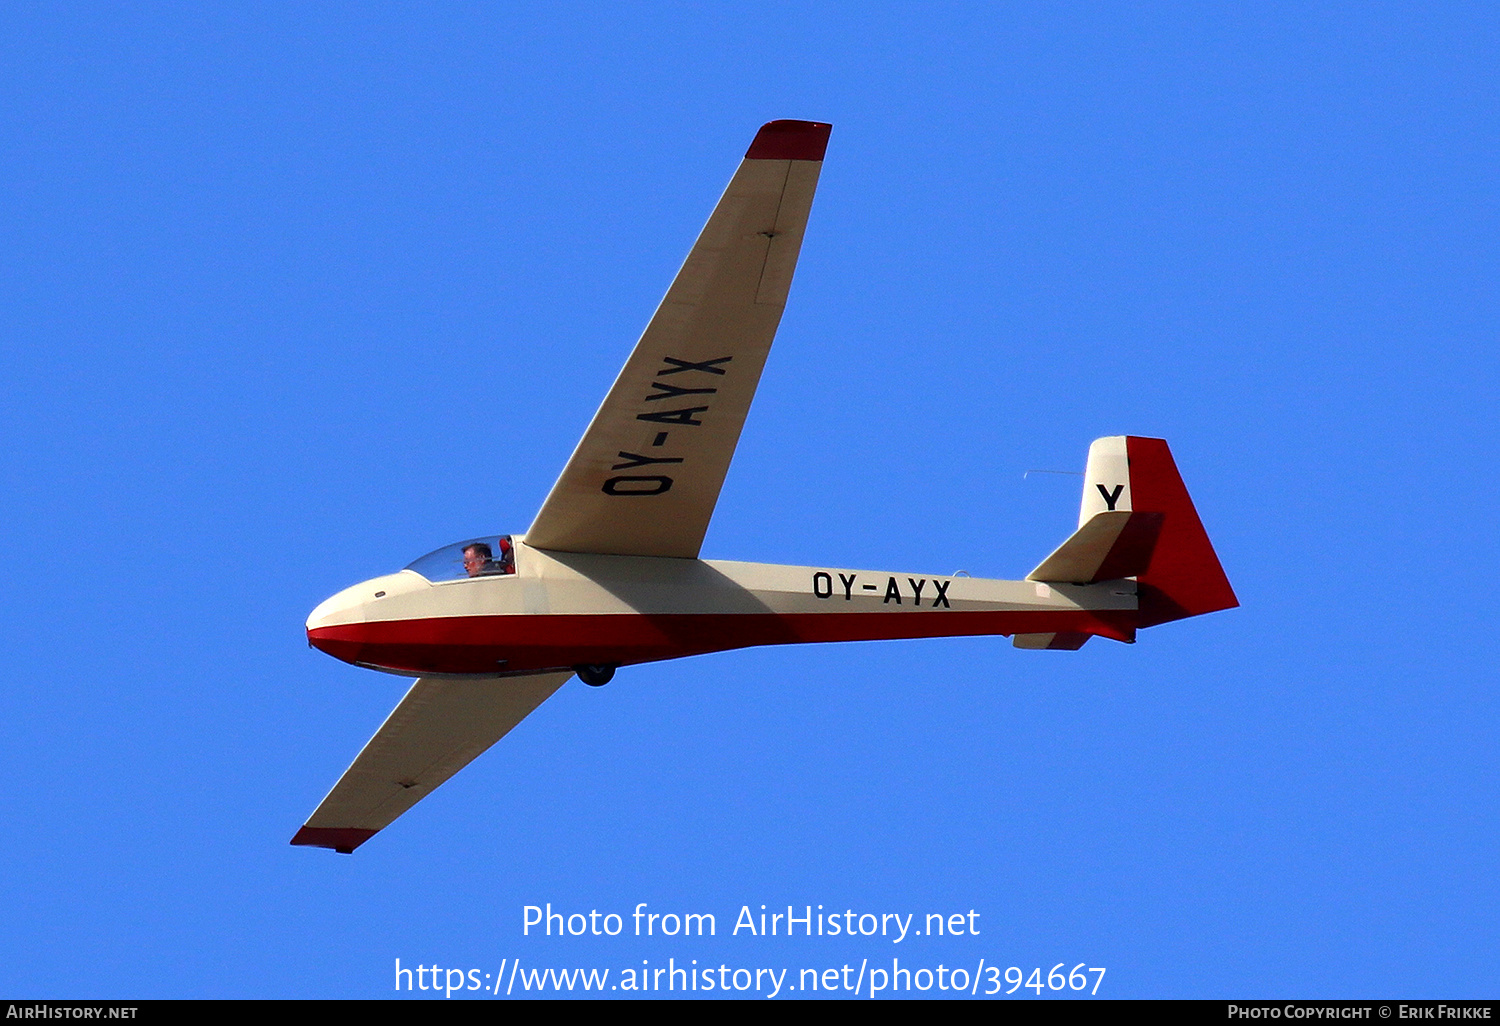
(436, 730)
(647, 473)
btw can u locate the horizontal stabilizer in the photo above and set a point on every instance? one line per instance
(1109, 545)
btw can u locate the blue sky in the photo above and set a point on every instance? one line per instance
(254, 260)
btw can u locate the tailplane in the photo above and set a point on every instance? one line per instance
(1137, 520)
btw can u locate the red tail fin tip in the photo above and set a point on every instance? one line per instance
(1184, 577)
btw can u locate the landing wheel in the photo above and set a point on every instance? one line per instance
(595, 676)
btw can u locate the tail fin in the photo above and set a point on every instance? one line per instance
(1136, 520)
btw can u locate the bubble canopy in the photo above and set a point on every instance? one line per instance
(490, 556)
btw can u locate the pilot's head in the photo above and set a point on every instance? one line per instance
(477, 558)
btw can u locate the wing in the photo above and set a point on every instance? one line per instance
(645, 477)
(437, 729)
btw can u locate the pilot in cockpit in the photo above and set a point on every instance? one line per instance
(480, 561)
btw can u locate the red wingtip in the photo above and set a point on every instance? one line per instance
(341, 839)
(790, 140)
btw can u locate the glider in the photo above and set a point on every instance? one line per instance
(609, 573)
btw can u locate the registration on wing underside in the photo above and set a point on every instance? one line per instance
(646, 476)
